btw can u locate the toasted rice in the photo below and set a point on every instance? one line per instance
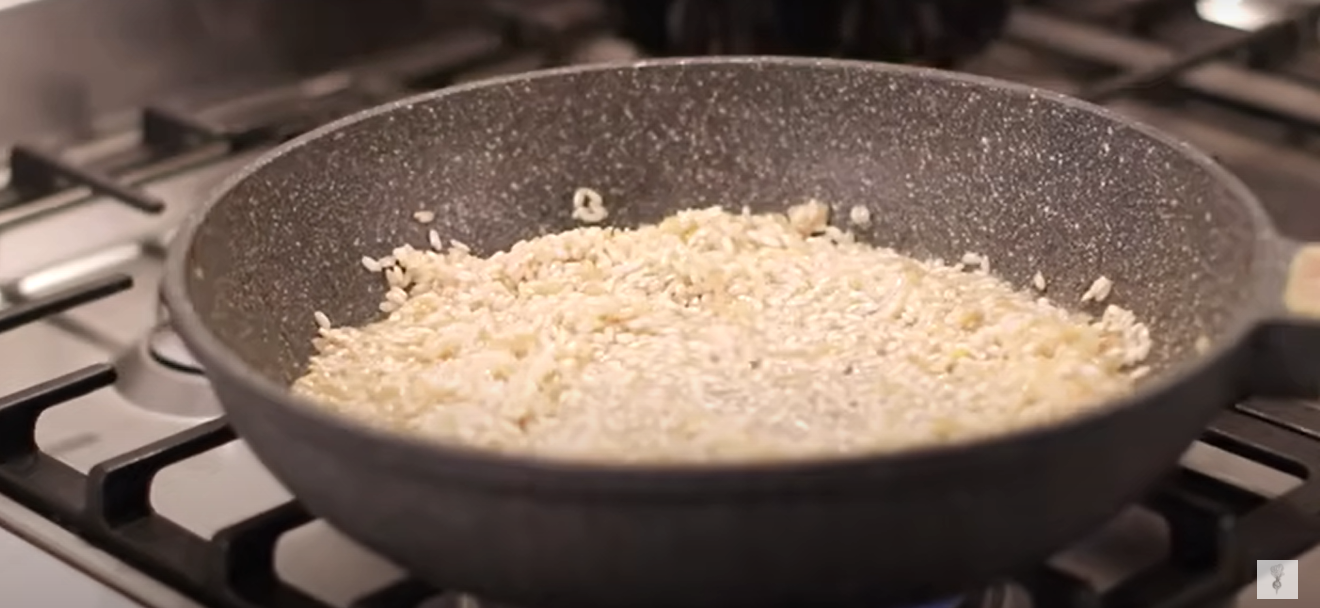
(713, 336)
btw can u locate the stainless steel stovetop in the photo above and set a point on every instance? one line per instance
(60, 234)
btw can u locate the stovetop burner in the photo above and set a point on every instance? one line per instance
(168, 349)
(159, 374)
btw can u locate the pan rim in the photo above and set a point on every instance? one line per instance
(429, 458)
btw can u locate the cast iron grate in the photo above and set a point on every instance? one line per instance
(111, 506)
(1144, 65)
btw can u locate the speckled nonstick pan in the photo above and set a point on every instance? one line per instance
(947, 163)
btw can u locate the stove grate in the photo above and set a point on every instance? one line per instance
(110, 506)
(1209, 75)
(1134, 80)
(36, 173)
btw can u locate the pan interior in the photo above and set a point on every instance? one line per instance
(945, 165)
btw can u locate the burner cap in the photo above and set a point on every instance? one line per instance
(158, 374)
(168, 349)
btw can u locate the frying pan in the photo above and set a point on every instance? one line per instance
(947, 164)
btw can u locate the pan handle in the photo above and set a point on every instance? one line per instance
(1301, 287)
(1290, 336)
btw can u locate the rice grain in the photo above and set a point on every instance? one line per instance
(589, 206)
(859, 216)
(1099, 290)
(713, 336)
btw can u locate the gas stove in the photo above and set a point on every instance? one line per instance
(122, 486)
